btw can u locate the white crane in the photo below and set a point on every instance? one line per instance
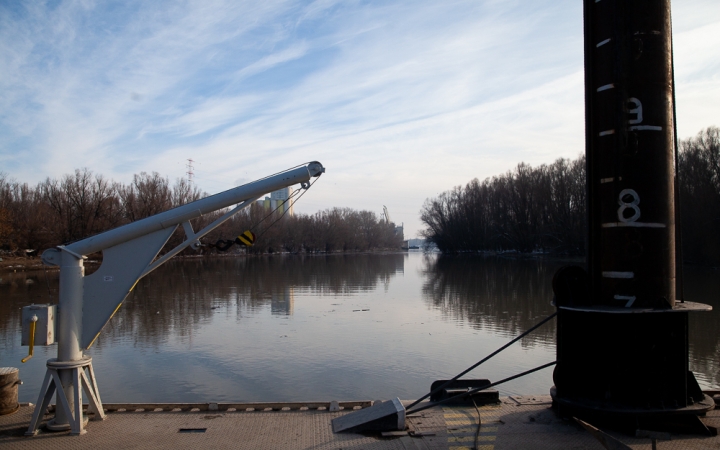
(87, 304)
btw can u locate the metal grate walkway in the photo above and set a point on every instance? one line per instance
(516, 423)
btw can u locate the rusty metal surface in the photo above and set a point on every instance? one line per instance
(518, 422)
(9, 381)
(611, 364)
(630, 150)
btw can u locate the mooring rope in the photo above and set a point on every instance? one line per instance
(455, 378)
(288, 209)
(477, 389)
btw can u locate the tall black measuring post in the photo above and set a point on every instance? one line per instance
(622, 342)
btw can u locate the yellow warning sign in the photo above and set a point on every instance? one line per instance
(247, 238)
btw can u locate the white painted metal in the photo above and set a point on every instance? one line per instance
(87, 303)
(193, 238)
(44, 325)
(106, 289)
(195, 209)
(70, 405)
(69, 326)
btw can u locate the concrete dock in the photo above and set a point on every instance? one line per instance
(516, 423)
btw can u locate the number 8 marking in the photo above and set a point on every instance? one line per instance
(625, 205)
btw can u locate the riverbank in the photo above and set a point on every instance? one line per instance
(11, 263)
(14, 264)
(20, 264)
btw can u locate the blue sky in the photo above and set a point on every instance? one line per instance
(399, 100)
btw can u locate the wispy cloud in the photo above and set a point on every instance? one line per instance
(399, 100)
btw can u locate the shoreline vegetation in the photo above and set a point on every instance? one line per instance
(14, 264)
(530, 211)
(542, 209)
(75, 206)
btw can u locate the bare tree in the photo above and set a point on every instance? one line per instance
(184, 192)
(528, 209)
(699, 174)
(81, 204)
(6, 203)
(148, 194)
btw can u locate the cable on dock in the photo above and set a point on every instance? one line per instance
(478, 389)
(455, 378)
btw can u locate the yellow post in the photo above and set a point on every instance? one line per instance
(32, 339)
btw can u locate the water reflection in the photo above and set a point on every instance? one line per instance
(300, 328)
(20, 289)
(182, 295)
(703, 285)
(493, 293)
(511, 295)
(283, 303)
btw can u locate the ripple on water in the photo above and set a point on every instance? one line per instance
(306, 329)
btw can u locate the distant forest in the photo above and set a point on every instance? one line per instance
(542, 209)
(81, 204)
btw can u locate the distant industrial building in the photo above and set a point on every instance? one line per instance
(399, 230)
(283, 303)
(279, 199)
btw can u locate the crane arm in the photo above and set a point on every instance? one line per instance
(129, 251)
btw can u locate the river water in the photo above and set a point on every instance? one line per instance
(320, 328)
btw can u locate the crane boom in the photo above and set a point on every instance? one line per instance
(386, 214)
(87, 303)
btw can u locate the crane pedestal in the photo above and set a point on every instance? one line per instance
(82, 379)
(627, 367)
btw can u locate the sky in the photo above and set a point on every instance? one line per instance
(399, 100)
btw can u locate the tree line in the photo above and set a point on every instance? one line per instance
(331, 230)
(527, 209)
(78, 205)
(699, 171)
(542, 209)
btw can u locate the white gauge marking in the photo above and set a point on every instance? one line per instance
(645, 128)
(601, 43)
(634, 225)
(633, 205)
(626, 275)
(629, 298)
(637, 110)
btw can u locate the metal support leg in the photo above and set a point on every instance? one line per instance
(63, 404)
(77, 425)
(46, 393)
(71, 409)
(93, 394)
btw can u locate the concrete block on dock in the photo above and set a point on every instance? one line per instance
(385, 416)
